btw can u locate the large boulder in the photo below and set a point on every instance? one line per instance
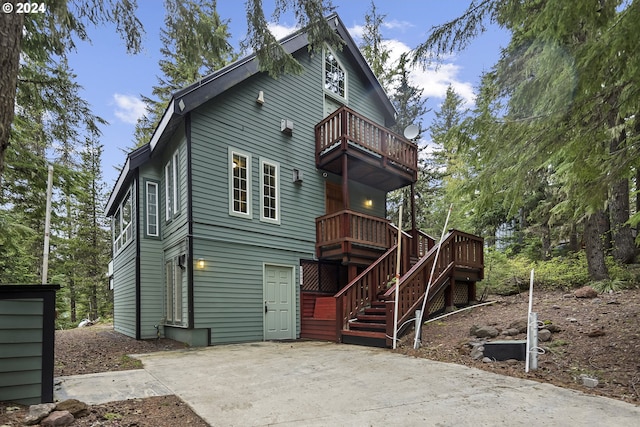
(520, 325)
(74, 406)
(58, 419)
(585, 292)
(544, 335)
(484, 331)
(38, 412)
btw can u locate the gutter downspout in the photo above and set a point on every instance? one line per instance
(190, 285)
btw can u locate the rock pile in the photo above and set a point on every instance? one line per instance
(56, 415)
(481, 334)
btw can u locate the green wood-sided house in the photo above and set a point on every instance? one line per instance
(257, 211)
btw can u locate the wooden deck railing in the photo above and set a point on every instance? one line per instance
(355, 228)
(458, 250)
(370, 284)
(346, 126)
(423, 242)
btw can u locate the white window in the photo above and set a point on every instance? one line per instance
(335, 77)
(173, 290)
(151, 189)
(269, 191)
(168, 191)
(239, 184)
(121, 225)
(171, 188)
(176, 188)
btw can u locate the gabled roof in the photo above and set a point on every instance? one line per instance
(207, 88)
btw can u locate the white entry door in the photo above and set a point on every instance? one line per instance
(279, 303)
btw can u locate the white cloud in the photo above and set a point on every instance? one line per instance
(394, 24)
(356, 32)
(128, 108)
(279, 31)
(434, 80)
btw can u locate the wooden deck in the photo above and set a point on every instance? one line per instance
(376, 156)
(351, 236)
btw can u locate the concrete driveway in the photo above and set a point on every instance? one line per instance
(327, 384)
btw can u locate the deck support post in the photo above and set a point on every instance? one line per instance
(414, 231)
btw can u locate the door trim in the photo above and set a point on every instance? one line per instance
(294, 303)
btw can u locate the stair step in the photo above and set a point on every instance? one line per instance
(380, 311)
(375, 318)
(367, 326)
(378, 304)
(368, 338)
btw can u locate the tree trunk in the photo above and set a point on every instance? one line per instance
(546, 242)
(624, 247)
(574, 241)
(72, 300)
(637, 189)
(10, 41)
(595, 229)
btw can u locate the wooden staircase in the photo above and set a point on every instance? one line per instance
(369, 327)
(364, 308)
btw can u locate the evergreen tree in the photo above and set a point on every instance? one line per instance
(310, 14)
(45, 37)
(374, 50)
(194, 44)
(447, 164)
(91, 244)
(565, 97)
(411, 107)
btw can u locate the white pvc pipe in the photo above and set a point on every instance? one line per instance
(527, 356)
(457, 311)
(433, 269)
(47, 227)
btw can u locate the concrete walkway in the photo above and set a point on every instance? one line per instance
(327, 384)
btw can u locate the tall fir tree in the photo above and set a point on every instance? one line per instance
(44, 37)
(410, 104)
(375, 50)
(446, 164)
(92, 240)
(195, 42)
(566, 97)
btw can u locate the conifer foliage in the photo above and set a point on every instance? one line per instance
(195, 43)
(553, 141)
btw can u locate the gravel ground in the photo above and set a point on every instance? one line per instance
(597, 337)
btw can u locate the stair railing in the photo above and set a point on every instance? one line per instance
(459, 250)
(369, 285)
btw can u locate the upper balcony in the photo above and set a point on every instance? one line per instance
(377, 156)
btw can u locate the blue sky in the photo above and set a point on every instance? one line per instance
(113, 80)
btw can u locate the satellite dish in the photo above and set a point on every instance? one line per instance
(411, 131)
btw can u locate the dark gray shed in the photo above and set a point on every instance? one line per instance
(27, 334)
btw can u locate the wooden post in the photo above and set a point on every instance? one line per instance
(345, 181)
(449, 294)
(414, 230)
(397, 292)
(339, 318)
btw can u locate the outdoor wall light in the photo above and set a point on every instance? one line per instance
(368, 203)
(260, 98)
(200, 264)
